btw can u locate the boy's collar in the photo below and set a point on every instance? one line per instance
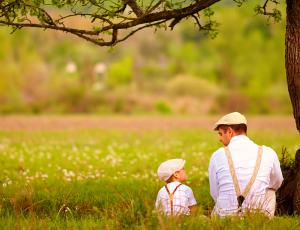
(174, 182)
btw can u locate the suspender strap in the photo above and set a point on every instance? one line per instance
(171, 196)
(241, 196)
(232, 172)
(254, 175)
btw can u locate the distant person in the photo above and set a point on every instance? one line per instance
(243, 176)
(174, 198)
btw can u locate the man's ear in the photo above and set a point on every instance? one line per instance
(230, 130)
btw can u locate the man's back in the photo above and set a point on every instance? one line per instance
(244, 154)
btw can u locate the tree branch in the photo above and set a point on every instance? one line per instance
(53, 27)
(106, 19)
(134, 6)
(140, 28)
(165, 15)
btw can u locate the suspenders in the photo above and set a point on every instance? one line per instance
(241, 196)
(171, 196)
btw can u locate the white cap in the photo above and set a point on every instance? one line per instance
(169, 167)
(234, 118)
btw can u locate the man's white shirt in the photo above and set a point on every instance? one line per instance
(183, 199)
(244, 154)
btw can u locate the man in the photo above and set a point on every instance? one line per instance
(242, 175)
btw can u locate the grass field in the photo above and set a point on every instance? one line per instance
(105, 178)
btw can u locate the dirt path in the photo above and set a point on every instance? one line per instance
(279, 123)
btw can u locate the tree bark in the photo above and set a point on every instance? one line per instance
(292, 55)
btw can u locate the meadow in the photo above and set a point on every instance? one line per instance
(105, 178)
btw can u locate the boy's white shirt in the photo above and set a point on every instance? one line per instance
(183, 199)
(244, 154)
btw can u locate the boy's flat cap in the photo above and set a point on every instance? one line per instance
(169, 167)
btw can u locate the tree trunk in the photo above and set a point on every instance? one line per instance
(292, 55)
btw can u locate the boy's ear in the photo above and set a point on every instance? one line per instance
(176, 174)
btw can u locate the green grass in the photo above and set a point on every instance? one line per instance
(106, 179)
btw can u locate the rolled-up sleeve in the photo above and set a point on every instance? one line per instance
(213, 180)
(191, 198)
(276, 177)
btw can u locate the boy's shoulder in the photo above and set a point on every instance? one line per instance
(181, 187)
(185, 186)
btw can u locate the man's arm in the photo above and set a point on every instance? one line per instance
(276, 177)
(213, 180)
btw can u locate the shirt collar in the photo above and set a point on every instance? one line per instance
(239, 138)
(174, 183)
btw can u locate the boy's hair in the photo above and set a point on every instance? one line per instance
(171, 179)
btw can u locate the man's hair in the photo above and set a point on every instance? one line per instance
(239, 128)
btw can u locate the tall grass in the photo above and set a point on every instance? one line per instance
(106, 179)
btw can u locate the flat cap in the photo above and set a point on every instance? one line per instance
(169, 167)
(234, 118)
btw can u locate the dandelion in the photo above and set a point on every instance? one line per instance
(74, 148)
(113, 159)
(44, 176)
(68, 175)
(2, 147)
(97, 151)
(67, 209)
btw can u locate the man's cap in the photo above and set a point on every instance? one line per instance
(234, 118)
(169, 167)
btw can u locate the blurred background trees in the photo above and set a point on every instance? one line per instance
(177, 72)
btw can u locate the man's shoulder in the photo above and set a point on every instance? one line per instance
(268, 148)
(219, 152)
(269, 151)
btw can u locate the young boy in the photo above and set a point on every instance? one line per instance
(174, 198)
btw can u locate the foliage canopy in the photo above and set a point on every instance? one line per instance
(107, 22)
